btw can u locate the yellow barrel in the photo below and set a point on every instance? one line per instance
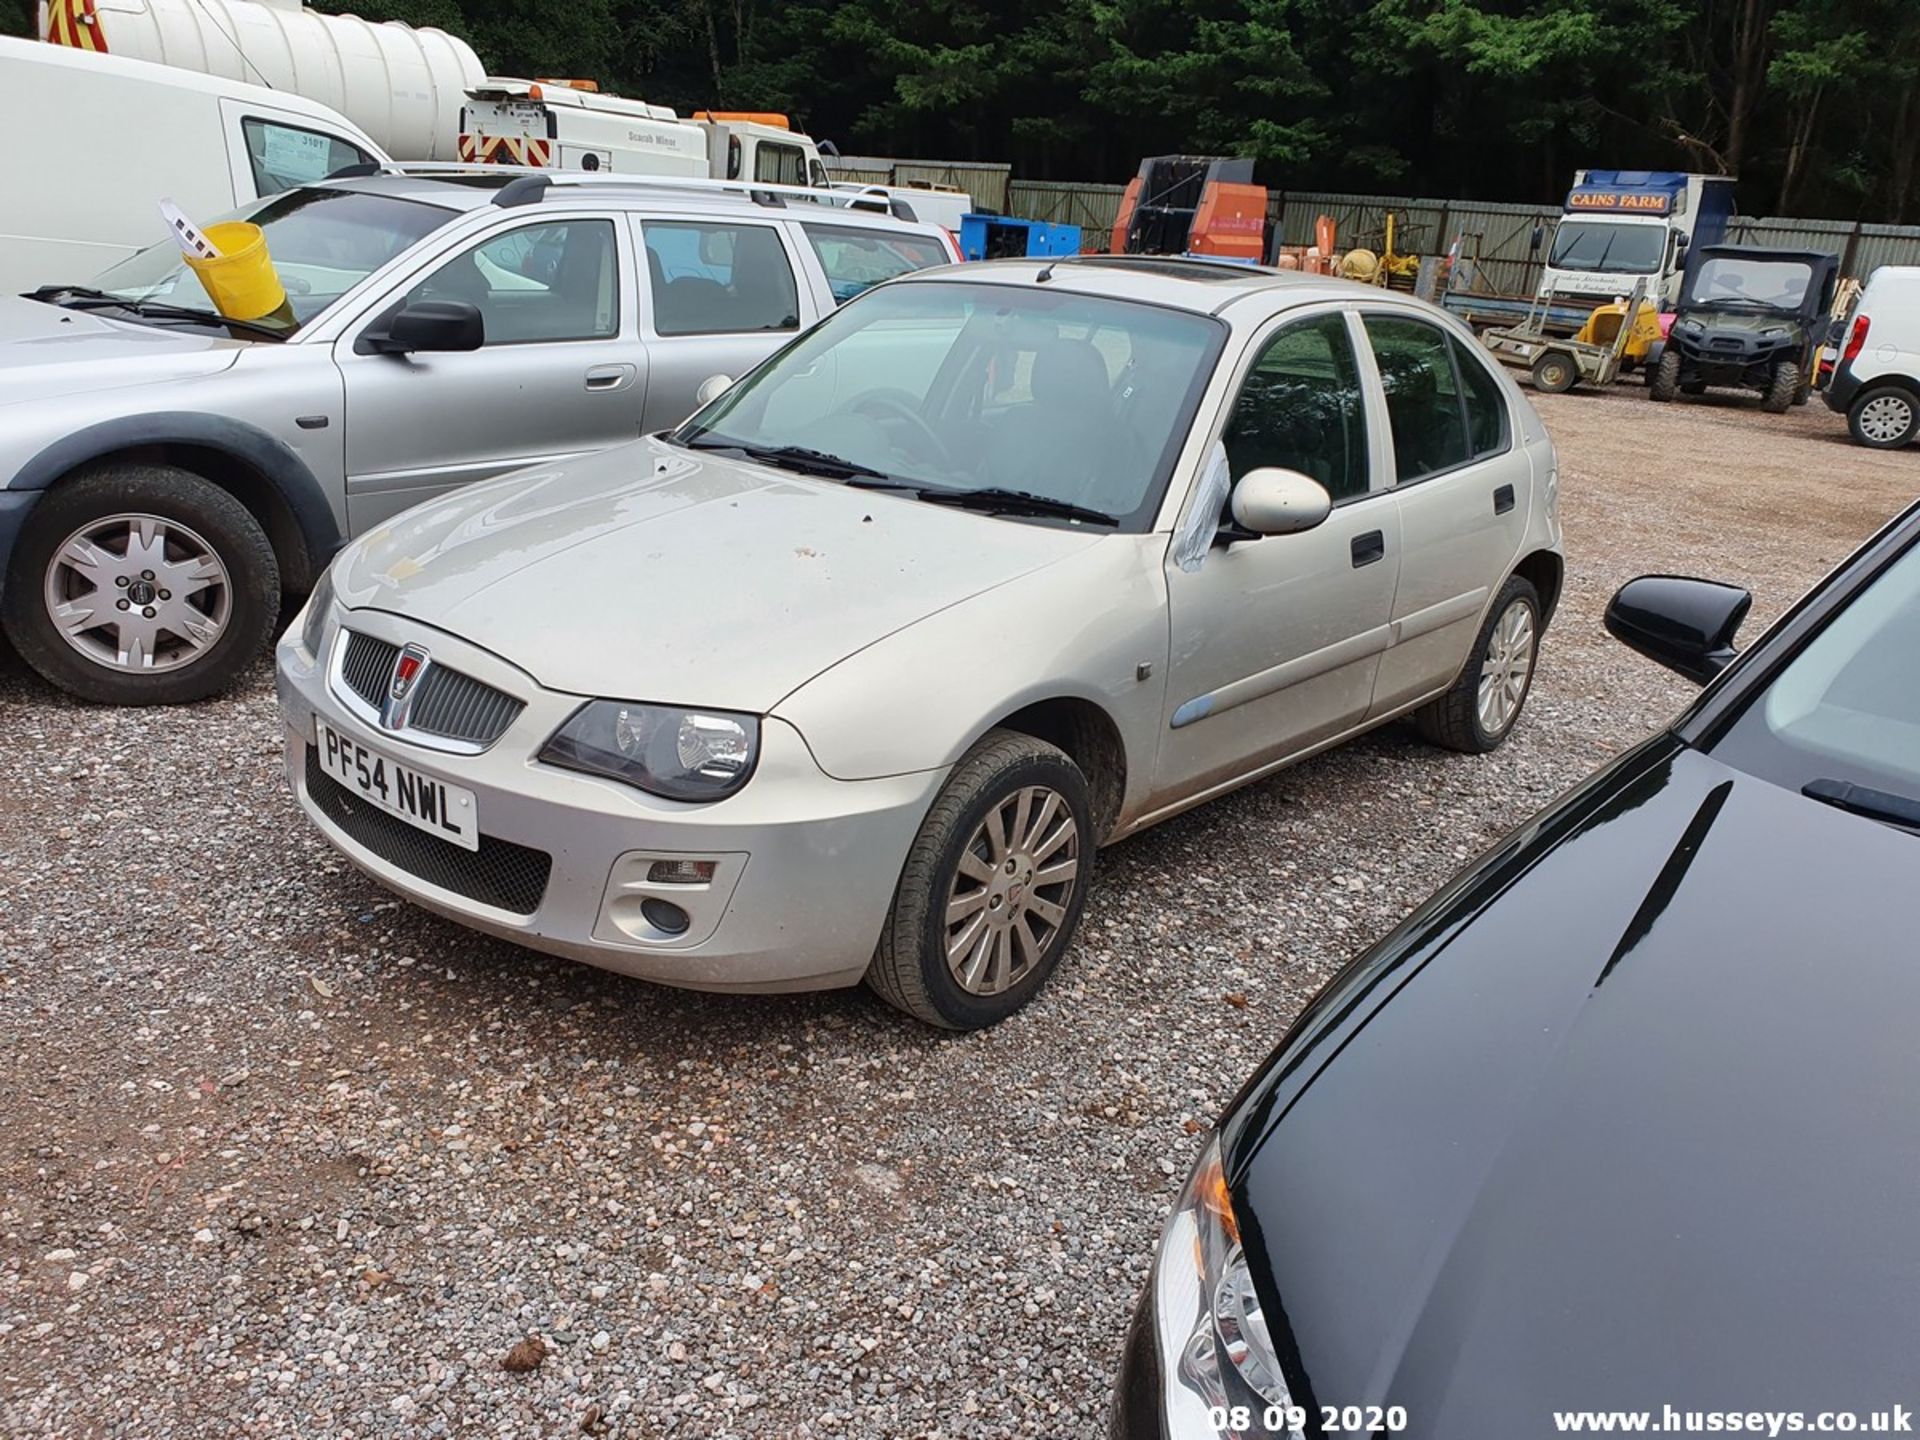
(240, 280)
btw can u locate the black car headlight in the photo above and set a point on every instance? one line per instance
(1221, 1375)
(675, 754)
(313, 620)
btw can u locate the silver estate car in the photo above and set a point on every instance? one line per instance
(166, 475)
(849, 675)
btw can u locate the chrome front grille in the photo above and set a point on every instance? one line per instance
(459, 707)
(449, 704)
(368, 666)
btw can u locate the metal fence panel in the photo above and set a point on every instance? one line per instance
(1093, 208)
(1423, 226)
(984, 181)
(1508, 262)
(1885, 245)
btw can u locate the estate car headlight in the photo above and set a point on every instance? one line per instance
(1220, 1373)
(313, 620)
(675, 754)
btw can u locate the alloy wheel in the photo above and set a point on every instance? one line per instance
(138, 592)
(1886, 418)
(1011, 890)
(1507, 667)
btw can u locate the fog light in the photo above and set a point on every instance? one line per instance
(680, 872)
(665, 916)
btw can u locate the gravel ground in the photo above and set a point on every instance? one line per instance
(283, 1156)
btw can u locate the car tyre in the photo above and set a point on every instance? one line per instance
(1884, 418)
(1555, 372)
(1007, 847)
(1781, 389)
(122, 530)
(1664, 383)
(1480, 710)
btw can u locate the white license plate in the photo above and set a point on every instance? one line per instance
(422, 801)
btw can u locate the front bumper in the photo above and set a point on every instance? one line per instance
(14, 505)
(1138, 1411)
(805, 865)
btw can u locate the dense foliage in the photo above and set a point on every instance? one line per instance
(1814, 104)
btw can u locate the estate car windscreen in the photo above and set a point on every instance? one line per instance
(951, 388)
(1845, 711)
(321, 242)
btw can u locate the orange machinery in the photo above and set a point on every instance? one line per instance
(1193, 205)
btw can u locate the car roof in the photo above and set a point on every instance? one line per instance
(1768, 252)
(1202, 286)
(478, 187)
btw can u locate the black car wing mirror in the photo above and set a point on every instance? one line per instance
(429, 325)
(1684, 624)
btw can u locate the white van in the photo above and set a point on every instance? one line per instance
(570, 125)
(115, 135)
(942, 205)
(1876, 383)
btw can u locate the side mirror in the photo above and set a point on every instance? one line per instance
(1539, 238)
(1279, 502)
(712, 388)
(1685, 625)
(433, 325)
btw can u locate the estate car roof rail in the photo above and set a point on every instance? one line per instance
(528, 184)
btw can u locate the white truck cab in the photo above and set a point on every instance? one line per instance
(570, 125)
(130, 132)
(1618, 226)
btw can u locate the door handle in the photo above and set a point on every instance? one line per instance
(1368, 548)
(609, 377)
(1503, 500)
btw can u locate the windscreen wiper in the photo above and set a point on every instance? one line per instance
(791, 457)
(1865, 800)
(85, 297)
(995, 500)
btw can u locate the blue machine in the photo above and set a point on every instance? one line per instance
(1000, 237)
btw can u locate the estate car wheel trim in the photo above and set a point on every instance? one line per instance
(137, 592)
(1503, 674)
(1886, 417)
(1011, 890)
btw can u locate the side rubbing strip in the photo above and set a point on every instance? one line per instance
(1279, 677)
(1436, 617)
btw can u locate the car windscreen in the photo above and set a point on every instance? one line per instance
(1612, 248)
(954, 386)
(321, 243)
(1727, 280)
(1846, 708)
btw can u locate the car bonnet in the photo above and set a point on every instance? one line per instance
(650, 573)
(1623, 1119)
(47, 352)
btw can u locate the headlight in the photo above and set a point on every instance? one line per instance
(1220, 1373)
(676, 754)
(313, 620)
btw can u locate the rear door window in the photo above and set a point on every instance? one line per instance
(1424, 408)
(712, 277)
(857, 259)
